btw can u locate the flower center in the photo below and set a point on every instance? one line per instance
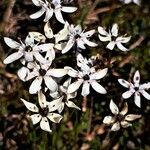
(113, 38)
(28, 48)
(86, 77)
(44, 111)
(42, 72)
(77, 36)
(120, 117)
(136, 88)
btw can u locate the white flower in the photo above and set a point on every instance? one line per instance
(41, 73)
(28, 50)
(138, 2)
(120, 118)
(113, 38)
(64, 100)
(136, 88)
(44, 112)
(78, 38)
(50, 8)
(86, 76)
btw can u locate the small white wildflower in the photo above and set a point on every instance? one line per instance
(65, 100)
(44, 112)
(138, 2)
(27, 51)
(113, 38)
(120, 118)
(41, 73)
(86, 76)
(51, 7)
(136, 88)
(78, 37)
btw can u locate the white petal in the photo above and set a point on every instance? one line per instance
(57, 72)
(44, 124)
(85, 88)
(99, 74)
(42, 99)
(144, 86)
(38, 2)
(35, 118)
(54, 117)
(24, 74)
(124, 83)
(138, 2)
(68, 46)
(102, 31)
(111, 45)
(45, 47)
(32, 107)
(50, 83)
(69, 9)
(89, 33)
(121, 47)
(35, 85)
(115, 127)
(113, 107)
(59, 16)
(67, 83)
(80, 44)
(62, 34)
(127, 94)
(108, 120)
(89, 43)
(123, 39)
(37, 36)
(137, 99)
(132, 117)
(71, 95)
(104, 39)
(114, 30)
(49, 14)
(48, 31)
(55, 104)
(136, 78)
(37, 14)
(145, 94)
(72, 105)
(11, 43)
(29, 40)
(74, 86)
(124, 110)
(28, 56)
(61, 107)
(98, 88)
(71, 72)
(40, 58)
(55, 95)
(13, 57)
(125, 124)
(50, 55)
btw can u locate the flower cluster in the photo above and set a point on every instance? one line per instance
(38, 53)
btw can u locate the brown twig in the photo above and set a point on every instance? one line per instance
(7, 15)
(137, 43)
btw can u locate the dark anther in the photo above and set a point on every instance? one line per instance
(77, 36)
(113, 38)
(42, 72)
(86, 77)
(136, 88)
(28, 48)
(120, 117)
(44, 111)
